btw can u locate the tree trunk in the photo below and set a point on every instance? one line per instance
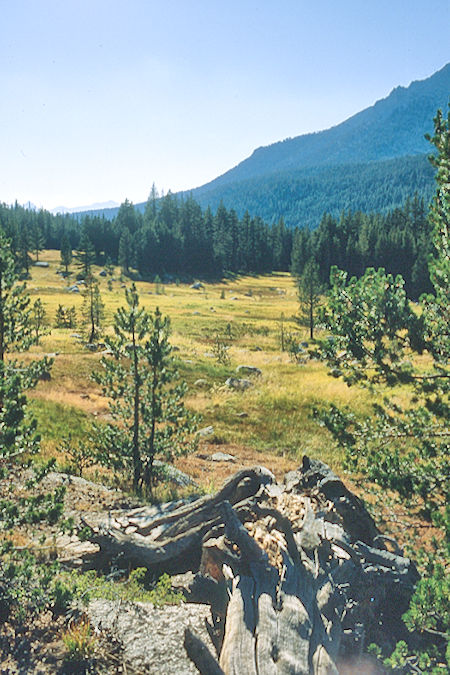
(296, 574)
(137, 466)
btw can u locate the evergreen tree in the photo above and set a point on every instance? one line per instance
(301, 251)
(151, 208)
(24, 585)
(66, 253)
(127, 218)
(147, 402)
(60, 317)
(376, 339)
(282, 245)
(223, 243)
(23, 249)
(92, 309)
(125, 251)
(71, 317)
(85, 256)
(36, 239)
(17, 432)
(38, 320)
(310, 291)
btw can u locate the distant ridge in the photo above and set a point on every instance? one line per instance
(98, 206)
(392, 127)
(371, 162)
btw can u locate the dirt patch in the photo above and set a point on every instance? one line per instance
(211, 475)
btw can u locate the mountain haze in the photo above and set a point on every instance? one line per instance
(92, 207)
(372, 161)
(392, 127)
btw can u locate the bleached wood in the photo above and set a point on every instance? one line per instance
(293, 573)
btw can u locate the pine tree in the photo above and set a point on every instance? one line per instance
(92, 309)
(66, 253)
(38, 320)
(17, 434)
(85, 256)
(310, 291)
(23, 250)
(125, 251)
(60, 320)
(71, 317)
(36, 239)
(151, 208)
(146, 401)
(377, 341)
(127, 218)
(24, 584)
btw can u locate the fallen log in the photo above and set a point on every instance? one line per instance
(296, 574)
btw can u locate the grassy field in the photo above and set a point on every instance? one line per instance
(269, 424)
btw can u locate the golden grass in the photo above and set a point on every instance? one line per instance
(272, 419)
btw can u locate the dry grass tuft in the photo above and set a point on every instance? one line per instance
(269, 423)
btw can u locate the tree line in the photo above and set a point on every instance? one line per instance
(301, 196)
(399, 242)
(175, 238)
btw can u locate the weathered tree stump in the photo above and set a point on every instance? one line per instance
(297, 576)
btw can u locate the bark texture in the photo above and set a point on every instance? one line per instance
(297, 576)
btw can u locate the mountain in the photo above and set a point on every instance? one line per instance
(99, 206)
(372, 161)
(392, 127)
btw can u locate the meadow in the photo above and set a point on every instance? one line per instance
(270, 423)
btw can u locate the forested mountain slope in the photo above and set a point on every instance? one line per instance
(302, 196)
(392, 127)
(372, 161)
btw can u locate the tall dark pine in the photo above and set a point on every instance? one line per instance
(310, 290)
(85, 256)
(127, 218)
(145, 398)
(16, 334)
(125, 251)
(93, 308)
(66, 253)
(36, 239)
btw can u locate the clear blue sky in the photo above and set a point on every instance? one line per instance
(101, 98)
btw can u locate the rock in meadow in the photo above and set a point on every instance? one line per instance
(239, 384)
(249, 370)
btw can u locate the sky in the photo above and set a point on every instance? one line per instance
(99, 99)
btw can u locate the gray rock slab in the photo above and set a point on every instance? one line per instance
(249, 370)
(239, 384)
(206, 431)
(151, 637)
(222, 457)
(175, 475)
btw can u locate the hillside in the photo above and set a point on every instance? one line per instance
(392, 127)
(370, 162)
(302, 196)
